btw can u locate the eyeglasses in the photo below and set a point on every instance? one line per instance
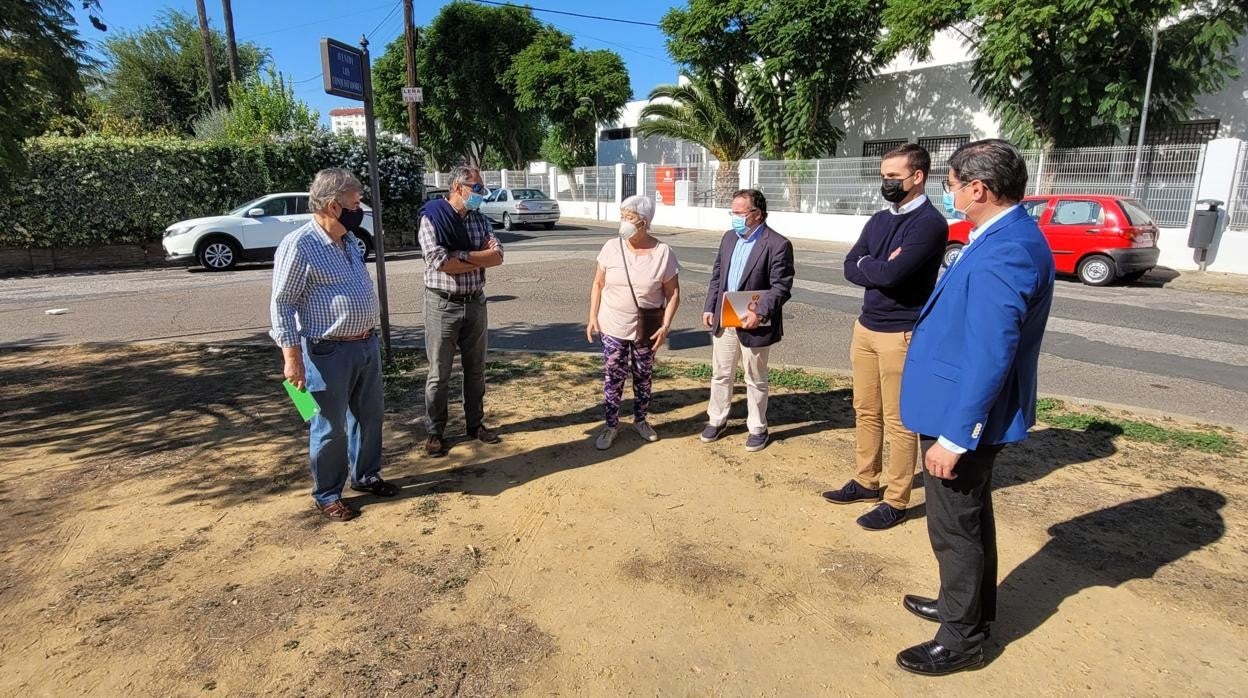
(948, 189)
(477, 188)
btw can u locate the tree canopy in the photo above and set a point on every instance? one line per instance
(42, 59)
(799, 61)
(1072, 74)
(155, 77)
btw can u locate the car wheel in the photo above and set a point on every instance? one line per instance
(218, 254)
(1097, 270)
(363, 243)
(549, 226)
(507, 221)
(951, 254)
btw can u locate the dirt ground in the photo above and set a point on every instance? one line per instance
(161, 541)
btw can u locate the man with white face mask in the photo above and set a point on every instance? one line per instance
(459, 245)
(632, 301)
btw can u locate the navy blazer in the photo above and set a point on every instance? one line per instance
(769, 268)
(970, 373)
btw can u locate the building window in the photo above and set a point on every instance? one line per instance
(1186, 133)
(876, 149)
(616, 134)
(941, 147)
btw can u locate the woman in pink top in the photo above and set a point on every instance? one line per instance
(634, 271)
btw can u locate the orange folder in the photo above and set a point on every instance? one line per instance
(736, 304)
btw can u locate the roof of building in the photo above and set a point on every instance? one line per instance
(347, 111)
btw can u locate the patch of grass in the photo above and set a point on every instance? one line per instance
(797, 379)
(1054, 413)
(502, 371)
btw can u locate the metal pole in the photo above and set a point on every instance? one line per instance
(379, 238)
(409, 41)
(1148, 89)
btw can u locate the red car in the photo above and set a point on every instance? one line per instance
(1098, 238)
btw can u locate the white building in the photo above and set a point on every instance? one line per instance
(932, 104)
(348, 119)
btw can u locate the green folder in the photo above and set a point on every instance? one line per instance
(304, 402)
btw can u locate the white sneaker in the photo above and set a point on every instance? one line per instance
(646, 431)
(606, 438)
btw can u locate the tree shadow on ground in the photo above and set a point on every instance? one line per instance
(1109, 547)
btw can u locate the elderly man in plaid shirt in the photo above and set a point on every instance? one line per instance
(459, 245)
(324, 311)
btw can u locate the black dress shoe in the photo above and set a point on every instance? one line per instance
(934, 659)
(921, 606)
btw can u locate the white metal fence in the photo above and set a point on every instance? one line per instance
(1167, 184)
(588, 184)
(1239, 196)
(492, 178)
(529, 180)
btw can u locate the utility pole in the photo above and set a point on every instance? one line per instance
(409, 40)
(209, 63)
(1148, 90)
(230, 46)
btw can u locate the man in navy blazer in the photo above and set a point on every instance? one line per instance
(969, 388)
(752, 257)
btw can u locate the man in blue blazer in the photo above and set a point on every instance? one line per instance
(969, 388)
(752, 257)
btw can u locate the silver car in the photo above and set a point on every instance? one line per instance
(513, 207)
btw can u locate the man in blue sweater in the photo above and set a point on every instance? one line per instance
(896, 259)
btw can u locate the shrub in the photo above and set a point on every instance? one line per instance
(105, 190)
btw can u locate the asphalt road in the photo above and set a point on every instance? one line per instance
(1167, 347)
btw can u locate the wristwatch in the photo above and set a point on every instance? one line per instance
(461, 255)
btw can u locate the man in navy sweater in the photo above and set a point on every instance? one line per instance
(896, 259)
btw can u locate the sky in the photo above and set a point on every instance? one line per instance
(292, 30)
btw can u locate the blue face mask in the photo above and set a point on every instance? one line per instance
(950, 207)
(738, 225)
(473, 202)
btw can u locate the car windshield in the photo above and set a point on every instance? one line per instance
(242, 210)
(527, 194)
(1136, 213)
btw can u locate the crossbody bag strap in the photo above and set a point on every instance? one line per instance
(624, 260)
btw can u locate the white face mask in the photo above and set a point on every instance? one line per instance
(627, 229)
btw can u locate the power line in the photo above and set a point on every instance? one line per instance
(313, 23)
(570, 14)
(385, 19)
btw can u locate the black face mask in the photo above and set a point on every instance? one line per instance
(892, 190)
(351, 218)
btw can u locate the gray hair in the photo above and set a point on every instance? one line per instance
(996, 163)
(643, 206)
(328, 185)
(463, 174)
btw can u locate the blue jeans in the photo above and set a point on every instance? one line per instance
(345, 379)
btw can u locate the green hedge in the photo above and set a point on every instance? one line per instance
(100, 190)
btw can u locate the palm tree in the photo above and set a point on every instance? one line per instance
(710, 111)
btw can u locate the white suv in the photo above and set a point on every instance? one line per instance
(249, 233)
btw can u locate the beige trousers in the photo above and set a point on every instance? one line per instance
(878, 359)
(726, 352)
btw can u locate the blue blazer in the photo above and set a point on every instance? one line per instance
(970, 373)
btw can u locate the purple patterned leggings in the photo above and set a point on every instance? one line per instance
(619, 355)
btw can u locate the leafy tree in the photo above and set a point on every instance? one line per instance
(156, 76)
(261, 108)
(389, 79)
(710, 111)
(571, 89)
(42, 59)
(462, 60)
(799, 61)
(1072, 74)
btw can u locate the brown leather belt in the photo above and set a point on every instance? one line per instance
(356, 338)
